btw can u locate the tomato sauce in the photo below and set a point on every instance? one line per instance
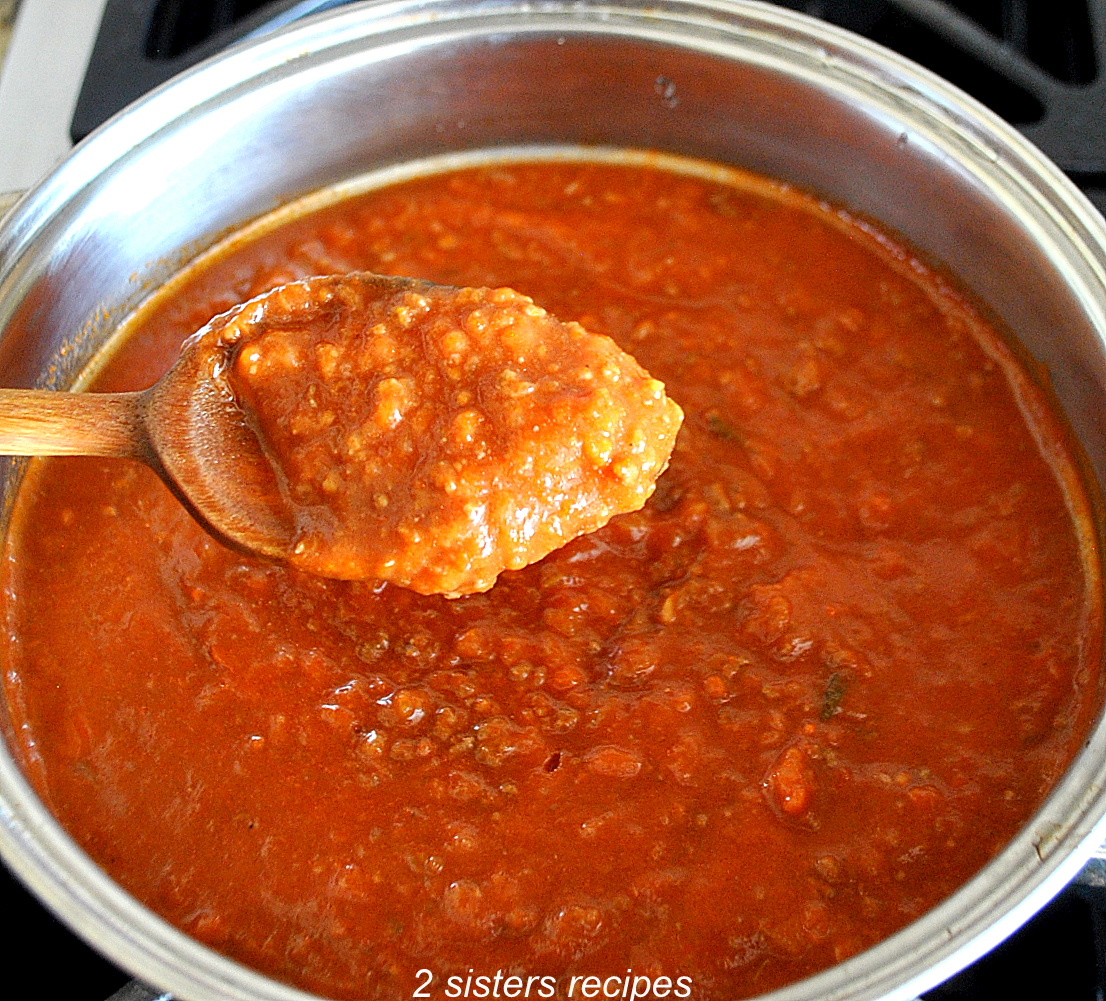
(824, 675)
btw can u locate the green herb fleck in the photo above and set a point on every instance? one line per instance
(718, 426)
(831, 701)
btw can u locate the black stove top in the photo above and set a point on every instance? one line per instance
(1040, 64)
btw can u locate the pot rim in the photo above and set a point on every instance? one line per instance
(1055, 842)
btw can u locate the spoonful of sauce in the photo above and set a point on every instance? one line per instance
(361, 426)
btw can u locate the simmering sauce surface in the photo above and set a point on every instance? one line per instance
(827, 671)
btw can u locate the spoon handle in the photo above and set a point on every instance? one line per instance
(41, 422)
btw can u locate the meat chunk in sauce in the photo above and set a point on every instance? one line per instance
(432, 436)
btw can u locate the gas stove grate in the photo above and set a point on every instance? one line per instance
(1037, 63)
(178, 26)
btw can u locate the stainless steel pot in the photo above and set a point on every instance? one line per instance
(387, 83)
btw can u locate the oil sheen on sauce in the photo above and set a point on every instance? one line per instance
(828, 670)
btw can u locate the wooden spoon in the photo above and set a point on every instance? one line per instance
(184, 428)
(459, 432)
(187, 427)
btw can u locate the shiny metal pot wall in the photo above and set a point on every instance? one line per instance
(387, 83)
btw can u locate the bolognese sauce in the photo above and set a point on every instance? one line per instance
(433, 436)
(808, 690)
